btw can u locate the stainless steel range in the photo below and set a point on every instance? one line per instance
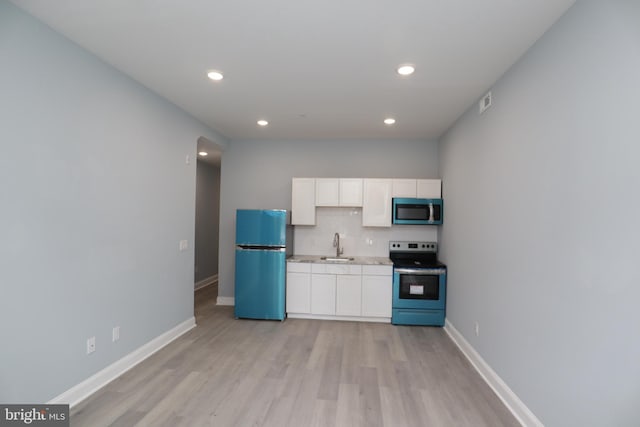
(419, 284)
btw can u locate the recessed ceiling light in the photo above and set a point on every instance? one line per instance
(262, 122)
(406, 69)
(215, 75)
(203, 153)
(389, 121)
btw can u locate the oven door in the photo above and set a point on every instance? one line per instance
(419, 288)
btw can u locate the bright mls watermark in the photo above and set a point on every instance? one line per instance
(34, 415)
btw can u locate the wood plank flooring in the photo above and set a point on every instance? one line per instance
(228, 372)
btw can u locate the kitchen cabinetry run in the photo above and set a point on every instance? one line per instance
(374, 195)
(339, 291)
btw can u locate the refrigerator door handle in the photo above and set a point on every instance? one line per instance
(260, 249)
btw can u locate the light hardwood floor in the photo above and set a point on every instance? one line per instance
(229, 372)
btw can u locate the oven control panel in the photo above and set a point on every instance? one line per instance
(408, 246)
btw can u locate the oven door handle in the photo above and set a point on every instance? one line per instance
(421, 271)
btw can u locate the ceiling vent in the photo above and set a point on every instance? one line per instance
(485, 103)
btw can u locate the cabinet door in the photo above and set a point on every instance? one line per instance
(327, 192)
(351, 192)
(303, 201)
(376, 203)
(429, 188)
(348, 295)
(299, 293)
(376, 296)
(323, 294)
(404, 188)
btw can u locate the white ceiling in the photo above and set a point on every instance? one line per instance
(314, 69)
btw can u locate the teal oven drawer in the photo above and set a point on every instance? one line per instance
(404, 316)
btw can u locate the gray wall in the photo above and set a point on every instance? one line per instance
(257, 174)
(541, 235)
(95, 198)
(207, 219)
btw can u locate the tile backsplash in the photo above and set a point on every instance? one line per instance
(354, 238)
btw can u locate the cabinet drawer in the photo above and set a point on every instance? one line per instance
(298, 267)
(377, 270)
(336, 268)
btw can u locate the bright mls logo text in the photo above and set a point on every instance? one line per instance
(46, 415)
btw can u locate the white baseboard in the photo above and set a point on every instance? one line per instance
(86, 388)
(508, 397)
(206, 282)
(226, 301)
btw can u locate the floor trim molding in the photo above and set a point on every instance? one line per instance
(226, 301)
(205, 282)
(86, 388)
(500, 388)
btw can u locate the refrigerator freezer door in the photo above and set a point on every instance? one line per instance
(260, 284)
(261, 227)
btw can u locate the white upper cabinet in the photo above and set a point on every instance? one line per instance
(404, 188)
(327, 192)
(351, 192)
(429, 188)
(376, 202)
(339, 192)
(303, 201)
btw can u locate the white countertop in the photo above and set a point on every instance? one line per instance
(367, 260)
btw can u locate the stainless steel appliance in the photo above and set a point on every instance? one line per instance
(419, 284)
(410, 211)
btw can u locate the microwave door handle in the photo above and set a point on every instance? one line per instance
(431, 212)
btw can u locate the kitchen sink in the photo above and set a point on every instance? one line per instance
(336, 259)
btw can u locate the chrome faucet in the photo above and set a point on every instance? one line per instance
(336, 244)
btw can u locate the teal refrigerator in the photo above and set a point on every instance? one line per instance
(264, 240)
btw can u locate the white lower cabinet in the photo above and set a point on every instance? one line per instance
(377, 290)
(298, 288)
(376, 296)
(299, 292)
(349, 295)
(323, 294)
(347, 292)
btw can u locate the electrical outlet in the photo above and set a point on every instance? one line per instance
(91, 345)
(183, 245)
(477, 329)
(187, 159)
(115, 334)
(485, 103)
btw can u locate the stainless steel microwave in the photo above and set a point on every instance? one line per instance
(417, 211)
